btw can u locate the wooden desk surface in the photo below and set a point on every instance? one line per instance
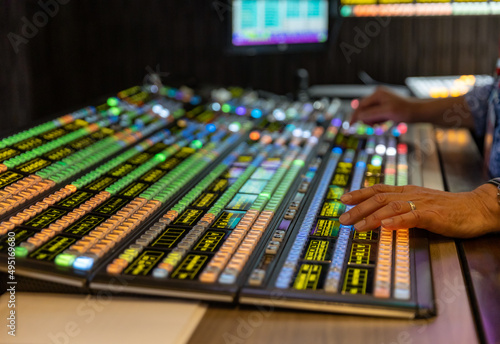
(464, 171)
(482, 263)
(453, 324)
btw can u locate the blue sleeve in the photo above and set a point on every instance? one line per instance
(477, 100)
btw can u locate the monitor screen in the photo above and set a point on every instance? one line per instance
(386, 8)
(279, 24)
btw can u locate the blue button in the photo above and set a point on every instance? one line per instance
(83, 263)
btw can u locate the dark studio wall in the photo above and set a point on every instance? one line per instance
(92, 48)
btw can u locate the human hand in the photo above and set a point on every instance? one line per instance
(384, 105)
(463, 215)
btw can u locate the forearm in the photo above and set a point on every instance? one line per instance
(450, 112)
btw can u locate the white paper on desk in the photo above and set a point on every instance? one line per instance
(74, 319)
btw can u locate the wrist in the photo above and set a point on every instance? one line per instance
(487, 197)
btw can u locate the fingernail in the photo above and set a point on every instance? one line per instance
(360, 225)
(345, 198)
(345, 217)
(387, 222)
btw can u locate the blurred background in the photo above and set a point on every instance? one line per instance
(93, 48)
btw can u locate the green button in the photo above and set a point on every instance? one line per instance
(21, 252)
(65, 259)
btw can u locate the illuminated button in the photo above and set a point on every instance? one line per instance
(9, 225)
(113, 101)
(49, 232)
(80, 248)
(229, 276)
(65, 259)
(27, 245)
(114, 269)
(209, 275)
(21, 252)
(98, 250)
(97, 234)
(16, 220)
(256, 113)
(166, 266)
(160, 273)
(84, 263)
(240, 111)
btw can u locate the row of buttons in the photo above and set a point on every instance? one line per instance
(72, 165)
(168, 264)
(44, 185)
(334, 274)
(384, 264)
(147, 237)
(258, 274)
(288, 269)
(335, 269)
(47, 233)
(383, 270)
(402, 265)
(253, 223)
(247, 247)
(91, 247)
(46, 127)
(129, 217)
(402, 258)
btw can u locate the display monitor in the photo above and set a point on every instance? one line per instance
(387, 8)
(267, 26)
